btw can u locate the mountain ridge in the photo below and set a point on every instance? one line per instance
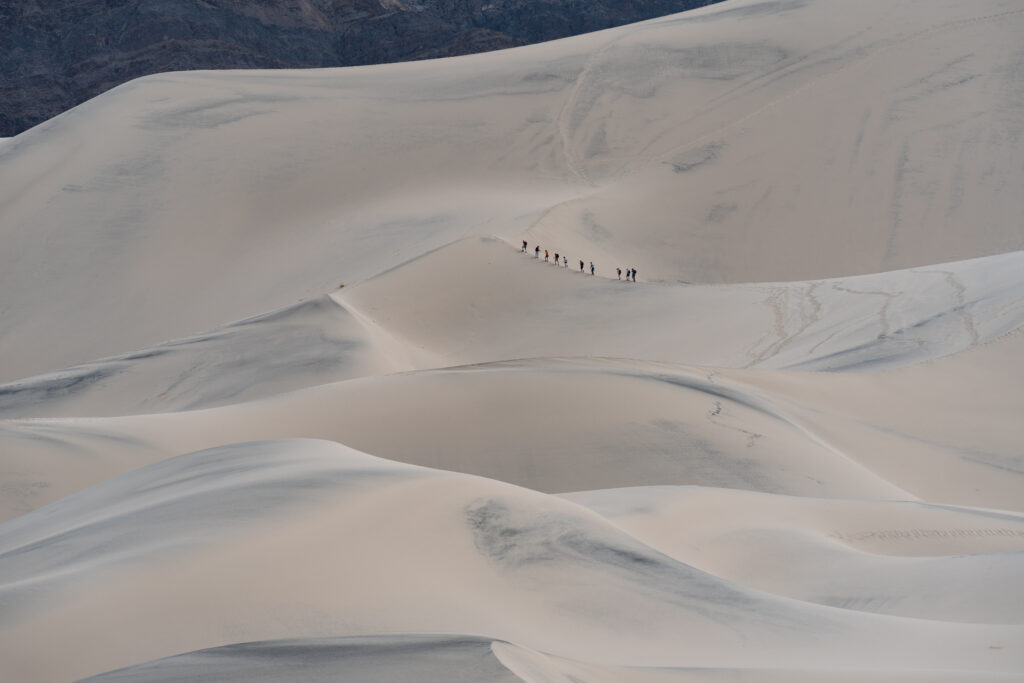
(56, 57)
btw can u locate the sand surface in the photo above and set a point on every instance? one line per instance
(282, 399)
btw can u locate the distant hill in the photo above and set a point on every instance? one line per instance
(57, 54)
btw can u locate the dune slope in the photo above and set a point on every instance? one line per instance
(746, 141)
(491, 559)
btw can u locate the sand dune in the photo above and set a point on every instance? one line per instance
(443, 657)
(431, 659)
(632, 426)
(909, 559)
(521, 308)
(312, 537)
(742, 142)
(867, 322)
(638, 418)
(308, 343)
(789, 452)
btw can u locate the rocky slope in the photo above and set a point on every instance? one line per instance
(57, 54)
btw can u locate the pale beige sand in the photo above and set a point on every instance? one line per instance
(908, 559)
(791, 452)
(742, 142)
(307, 538)
(563, 424)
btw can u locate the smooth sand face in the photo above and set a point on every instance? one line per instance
(789, 452)
(743, 142)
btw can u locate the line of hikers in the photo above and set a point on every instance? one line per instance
(630, 272)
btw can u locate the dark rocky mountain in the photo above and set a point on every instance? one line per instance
(55, 54)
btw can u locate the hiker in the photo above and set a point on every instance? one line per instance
(565, 261)
(634, 275)
(524, 246)
(618, 274)
(536, 251)
(556, 258)
(545, 254)
(591, 267)
(581, 266)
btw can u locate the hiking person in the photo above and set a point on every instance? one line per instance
(581, 266)
(618, 274)
(565, 261)
(536, 251)
(556, 258)
(591, 267)
(634, 275)
(524, 246)
(545, 254)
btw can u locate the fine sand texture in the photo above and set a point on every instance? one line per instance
(282, 398)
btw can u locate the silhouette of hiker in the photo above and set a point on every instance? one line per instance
(536, 251)
(618, 274)
(565, 261)
(556, 259)
(524, 246)
(634, 275)
(581, 266)
(591, 267)
(545, 254)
